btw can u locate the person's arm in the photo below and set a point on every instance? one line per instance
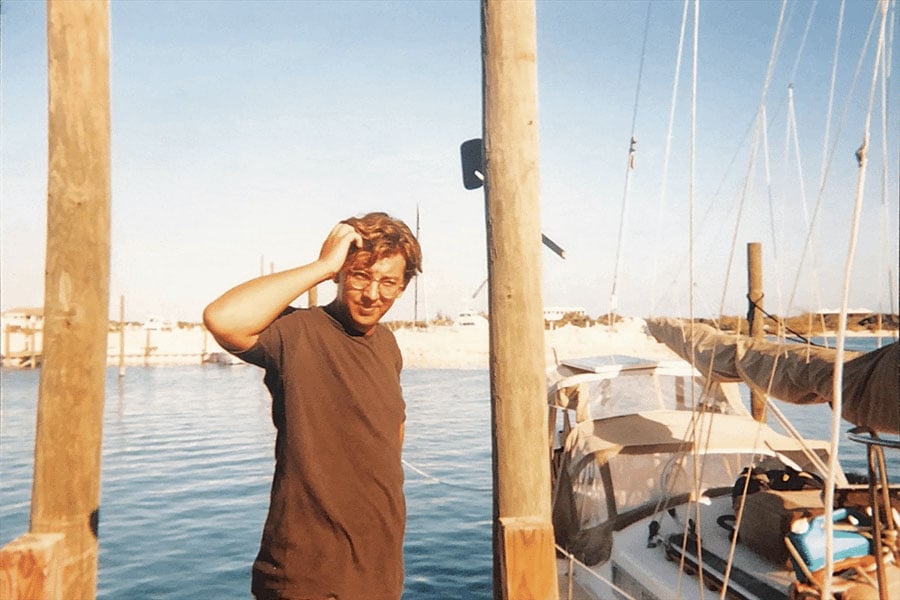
(238, 316)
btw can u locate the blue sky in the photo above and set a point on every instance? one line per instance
(242, 131)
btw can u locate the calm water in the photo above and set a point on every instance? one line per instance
(187, 462)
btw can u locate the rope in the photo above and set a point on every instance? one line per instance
(837, 388)
(751, 165)
(809, 20)
(800, 336)
(692, 171)
(613, 301)
(885, 185)
(740, 511)
(692, 166)
(591, 572)
(665, 170)
(830, 156)
(442, 481)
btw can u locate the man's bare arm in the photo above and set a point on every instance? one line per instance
(238, 316)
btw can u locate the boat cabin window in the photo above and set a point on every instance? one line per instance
(626, 395)
(635, 480)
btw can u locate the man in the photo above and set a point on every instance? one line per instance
(337, 513)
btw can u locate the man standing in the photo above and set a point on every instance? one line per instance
(337, 513)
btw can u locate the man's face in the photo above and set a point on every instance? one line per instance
(379, 286)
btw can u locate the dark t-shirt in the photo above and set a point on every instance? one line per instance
(337, 512)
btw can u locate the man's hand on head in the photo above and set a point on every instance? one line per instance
(337, 245)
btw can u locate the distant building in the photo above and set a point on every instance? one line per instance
(154, 323)
(837, 311)
(556, 313)
(23, 318)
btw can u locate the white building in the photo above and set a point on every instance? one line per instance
(23, 318)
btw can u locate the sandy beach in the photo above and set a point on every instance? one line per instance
(467, 347)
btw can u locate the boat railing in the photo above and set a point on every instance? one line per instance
(885, 520)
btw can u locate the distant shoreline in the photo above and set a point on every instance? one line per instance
(442, 347)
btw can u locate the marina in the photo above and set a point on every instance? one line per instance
(153, 482)
(187, 460)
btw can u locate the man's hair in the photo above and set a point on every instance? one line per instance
(384, 236)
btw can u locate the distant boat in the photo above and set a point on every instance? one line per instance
(223, 358)
(470, 319)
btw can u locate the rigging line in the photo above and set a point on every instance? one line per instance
(691, 198)
(885, 185)
(739, 513)
(793, 132)
(824, 165)
(812, 11)
(772, 408)
(837, 389)
(792, 127)
(698, 492)
(831, 154)
(803, 338)
(441, 481)
(828, 112)
(768, 176)
(665, 171)
(613, 303)
(771, 198)
(773, 56)
(713, 201)
(708, 417)
(573, 560)
(678, 459)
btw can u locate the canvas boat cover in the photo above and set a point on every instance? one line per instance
(616, 471)
(794, 373)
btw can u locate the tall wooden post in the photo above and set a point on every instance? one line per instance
(755, 316)
(66, 492)
(524, 564)
(147, 348)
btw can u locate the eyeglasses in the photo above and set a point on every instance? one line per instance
(361, 280)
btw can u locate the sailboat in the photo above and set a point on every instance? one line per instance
(659, 463)
(666, 486)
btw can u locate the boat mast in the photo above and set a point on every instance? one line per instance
(524, 565)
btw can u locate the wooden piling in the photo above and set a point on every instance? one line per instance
(66, 491)
(121, 335)
(755, 317)
(148, 349)
(523, 554)
(523, 569)
(31, 567)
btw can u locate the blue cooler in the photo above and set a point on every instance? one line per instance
(810, 545)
